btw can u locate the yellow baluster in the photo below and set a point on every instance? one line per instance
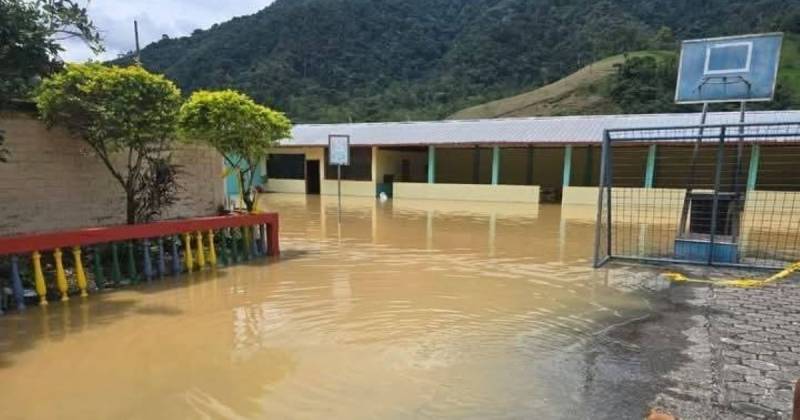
(61, 277)
(38, 277)
(212, 253)
(80, 276)
(187, 248)
(201, 255)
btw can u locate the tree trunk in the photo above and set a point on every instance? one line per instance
(130, 210)
(247, 197)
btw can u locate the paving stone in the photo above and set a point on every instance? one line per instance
(762, 381)
(760, 365)
(753, 410)
(746, 388)
(741, 370)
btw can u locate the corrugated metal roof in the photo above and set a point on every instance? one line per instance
(554, 130)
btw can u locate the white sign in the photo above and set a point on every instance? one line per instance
(339, 150)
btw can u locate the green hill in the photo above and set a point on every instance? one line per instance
(372, 60)
(606, 86)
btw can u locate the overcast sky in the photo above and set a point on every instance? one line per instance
(114, 20)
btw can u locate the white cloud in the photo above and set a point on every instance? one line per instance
(114, 19)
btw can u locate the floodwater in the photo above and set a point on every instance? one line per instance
(407, 309)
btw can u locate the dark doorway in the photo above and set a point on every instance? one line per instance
(312, 177)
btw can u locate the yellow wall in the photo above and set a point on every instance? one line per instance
(355, 188)
(469, 192)
(587, 196)
(286, 185)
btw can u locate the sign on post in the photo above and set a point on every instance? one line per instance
(339, 155)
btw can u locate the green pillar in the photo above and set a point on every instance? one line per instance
(99, 279)
(752, 175)
(650, 173)
(567, 165)
(431, 164)
(495, 165)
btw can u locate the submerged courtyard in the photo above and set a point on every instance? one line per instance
(416, 308)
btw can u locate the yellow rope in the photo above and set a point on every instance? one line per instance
(744, 282)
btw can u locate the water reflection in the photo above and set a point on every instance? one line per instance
(405, 309)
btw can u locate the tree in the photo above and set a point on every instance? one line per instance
(30, 36)
(240, 129)
(128, 117)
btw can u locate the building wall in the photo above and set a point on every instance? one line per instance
(53, 182)
(468, 192)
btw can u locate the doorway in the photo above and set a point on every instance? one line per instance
(312, 177)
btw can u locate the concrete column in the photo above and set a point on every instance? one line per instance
(650, 172)
(375, 165)
(752, 174)
(495, 165)
(431, 164)
(567, 165)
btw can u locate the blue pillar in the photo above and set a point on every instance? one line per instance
(176, 257)
(650, 173)
(16, 283)
(495, 165)
(752, 174)
(567, 165)
(431, 164)
(148, 266)
(162, 265)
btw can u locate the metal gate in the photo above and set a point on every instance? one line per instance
(725, 195)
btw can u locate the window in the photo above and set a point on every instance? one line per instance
(286, 166)
(360, 168)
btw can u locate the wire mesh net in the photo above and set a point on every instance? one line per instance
(720, 195)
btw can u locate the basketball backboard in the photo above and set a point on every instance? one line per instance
(339, 149)
(728, 69)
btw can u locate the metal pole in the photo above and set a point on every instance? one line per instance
(339, 189)
(734, 218)
(602, 183)
(136, 34)
(715, 203)
(690, 180)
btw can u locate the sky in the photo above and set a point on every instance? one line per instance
(114, 19)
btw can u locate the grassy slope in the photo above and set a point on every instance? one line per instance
(581, 93)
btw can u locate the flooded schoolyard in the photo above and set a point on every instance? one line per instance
(404, 310)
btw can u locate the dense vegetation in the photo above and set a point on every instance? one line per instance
(335, 60)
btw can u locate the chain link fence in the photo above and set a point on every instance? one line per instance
(725, 195)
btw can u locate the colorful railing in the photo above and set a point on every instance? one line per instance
(193, 244)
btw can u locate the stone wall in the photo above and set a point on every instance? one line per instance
(54, 182)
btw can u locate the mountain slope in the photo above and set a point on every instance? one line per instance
(576, 94)
(598, 89)
(368, 60)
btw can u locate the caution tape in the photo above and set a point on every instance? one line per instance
(744, 282)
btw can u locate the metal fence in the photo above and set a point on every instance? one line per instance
(725, 195)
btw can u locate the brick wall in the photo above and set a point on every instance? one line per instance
(54, 182)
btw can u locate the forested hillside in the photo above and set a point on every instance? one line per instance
(367, 60)
(638, 82)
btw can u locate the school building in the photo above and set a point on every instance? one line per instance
(507, 160)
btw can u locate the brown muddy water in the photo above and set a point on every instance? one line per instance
(410, 309)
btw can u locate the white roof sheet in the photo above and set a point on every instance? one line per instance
(554, 130)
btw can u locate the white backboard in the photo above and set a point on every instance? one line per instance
(729, 69)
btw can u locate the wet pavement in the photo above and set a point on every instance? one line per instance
(418, 309)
